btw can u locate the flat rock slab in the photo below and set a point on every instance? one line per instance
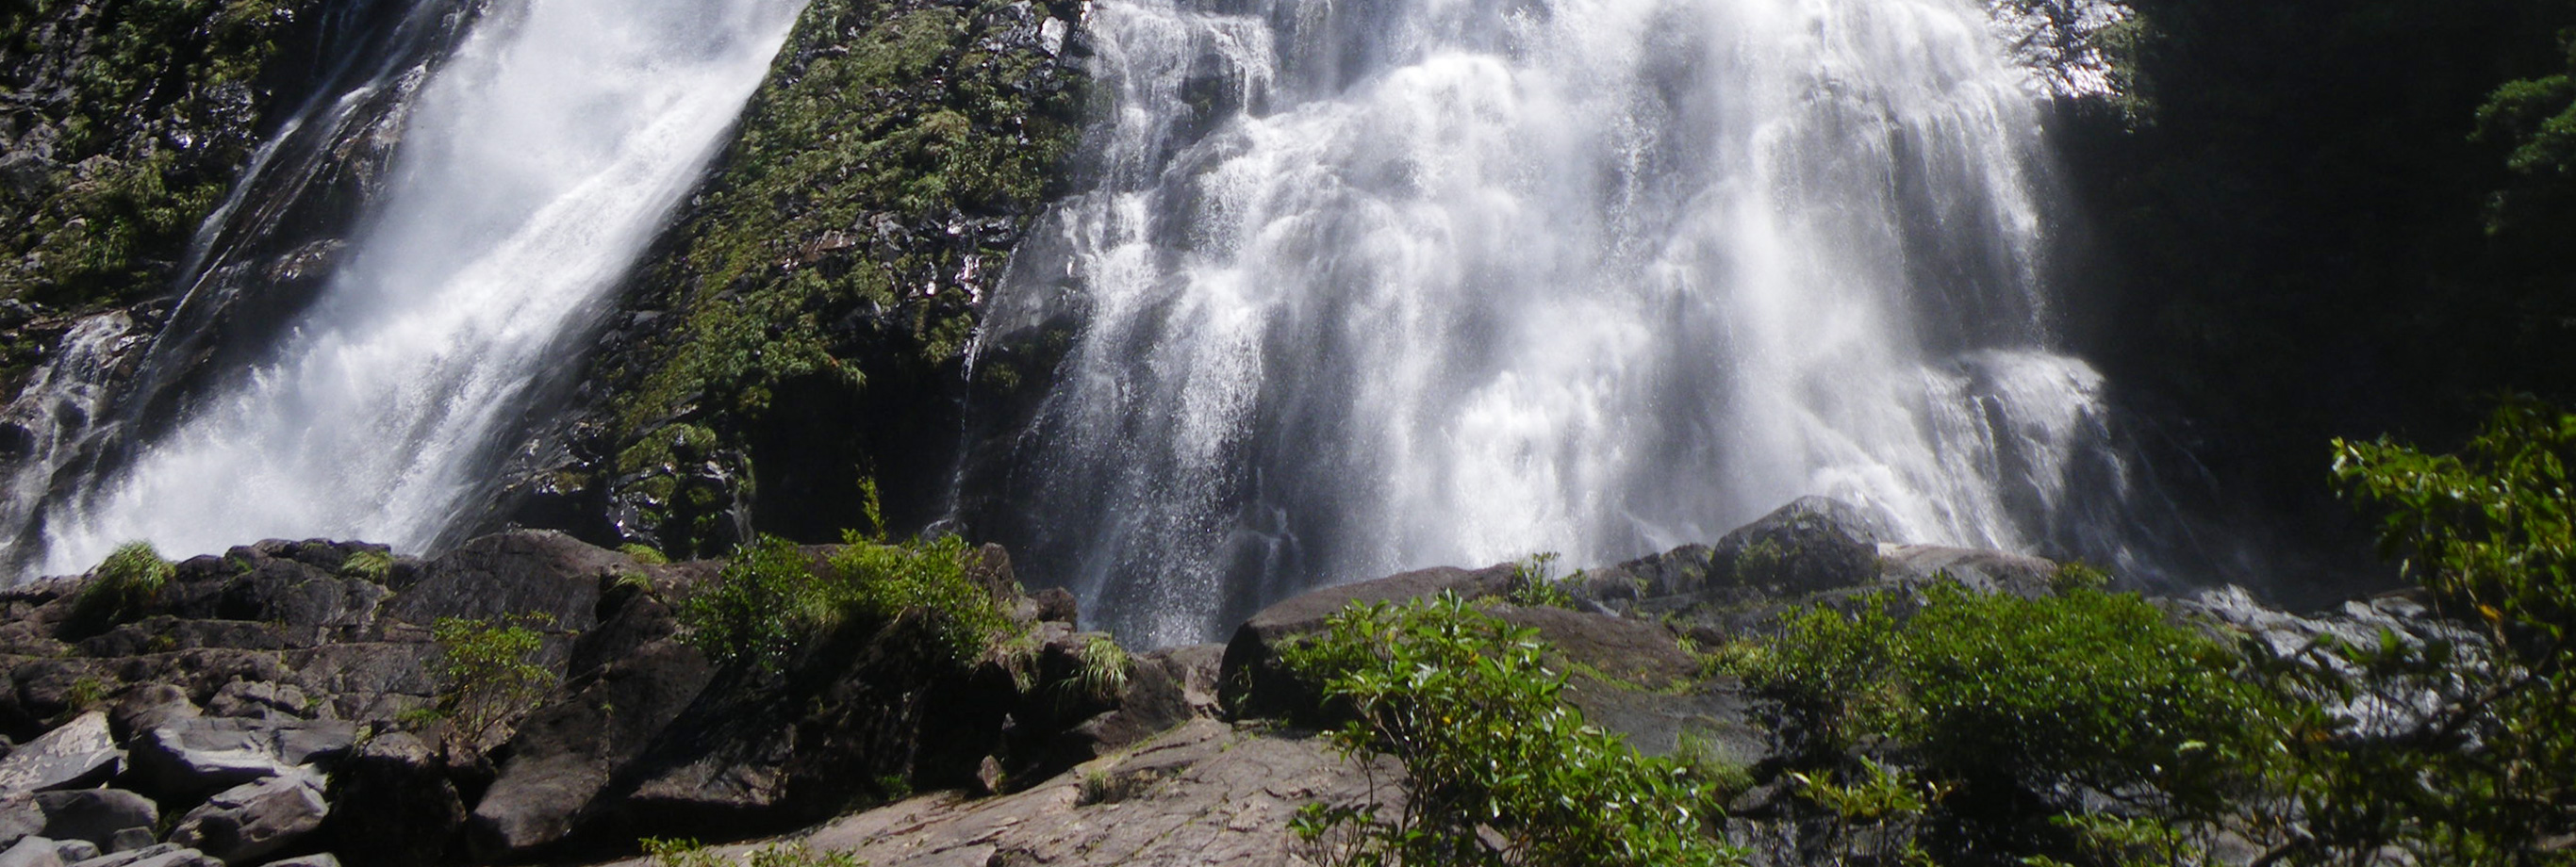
(78, 753)
(1205, 793)
(194, 756)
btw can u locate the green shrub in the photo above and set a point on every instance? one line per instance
(769, 598)
(489, 675)
(881, 581)
(368, 565)
(2033, 707)
(1534, 583)
(1104, 669)
(764, 602)
(130, 578)
(2482, 774)
(643, 553)
(1497, 770)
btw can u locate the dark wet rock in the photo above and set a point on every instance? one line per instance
(392, 798)
(245, 823)
(513, 575)
(192, 758)
(1254, 684)
(80, 753)
(107, 818)
(639, 679)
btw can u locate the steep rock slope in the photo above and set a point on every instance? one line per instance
(799, 334)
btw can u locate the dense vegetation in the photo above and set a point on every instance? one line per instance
(771, 598)
(1497, 771)
(831, 267)
(2326, 218)
(135, 133)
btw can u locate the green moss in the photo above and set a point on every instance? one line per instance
(158, 117)
(908, 124)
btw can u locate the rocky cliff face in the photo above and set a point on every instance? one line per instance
(122, 125)
(798, 338)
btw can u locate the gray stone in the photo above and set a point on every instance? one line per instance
(392, 799)
(242, 824)
(1979, 570)
(162, 855)
(79, 753)
(20, 817)
(74, 851)
(193, 757)
(147, 707)
(317, 859)
(32, 852)
(96, 815)
(1811, 545)
(261, 700)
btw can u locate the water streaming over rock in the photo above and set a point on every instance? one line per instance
(1378, 284)
(533, 165)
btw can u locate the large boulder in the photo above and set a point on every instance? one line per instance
(242, 824)
(163, 855)
(632, 678)
(190, 758)
(111, 819)
(393, 798)
(514, 574)
(78, 753)
(1253, 682)
(1810, 545)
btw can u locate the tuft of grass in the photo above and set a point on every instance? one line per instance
(643, 553)
(1104, 669)
(369, 565)
(130, 579)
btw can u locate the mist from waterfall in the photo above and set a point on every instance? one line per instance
(534, 166)
(1366, 286)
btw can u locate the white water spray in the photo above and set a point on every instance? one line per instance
(1382, 284)
(536, 166)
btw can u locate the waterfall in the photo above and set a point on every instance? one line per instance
(1367, 285)
(534, 164)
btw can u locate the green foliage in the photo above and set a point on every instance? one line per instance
(2482, 778)
(1534, 583)
(759, 608)
(883, 581)
(372, 566)
(867, 116)
(643, 553)
(769, 598)
(1497, 770)
(157, 115)
(130, 578)
(489, 675)
(1104, 667)
(2046, 703)
(2072, 576)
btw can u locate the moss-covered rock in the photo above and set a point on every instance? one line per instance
(817, 295)
(126, 120)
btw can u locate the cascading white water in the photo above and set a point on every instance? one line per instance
(534, 168)
(1381, 284)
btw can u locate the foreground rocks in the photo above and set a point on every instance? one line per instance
(269, 706)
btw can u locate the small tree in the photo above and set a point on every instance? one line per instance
(489, 675)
